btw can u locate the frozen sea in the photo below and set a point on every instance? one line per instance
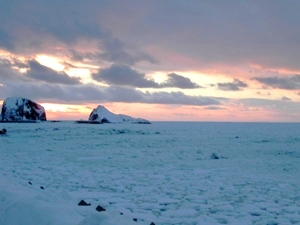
(162, 173)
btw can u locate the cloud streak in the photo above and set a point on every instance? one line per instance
(7, 72)
(97, 94)
(287, 83)
(125, 76)
(178, 81)
(236, 85)
(280, 106)
(43, 73)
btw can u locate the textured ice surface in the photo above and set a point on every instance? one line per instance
(162, 173)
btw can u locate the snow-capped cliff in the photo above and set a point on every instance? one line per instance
(102, 115)
(21, 109)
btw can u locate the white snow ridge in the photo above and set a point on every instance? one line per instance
(102, 115)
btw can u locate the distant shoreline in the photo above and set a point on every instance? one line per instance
(30, 121)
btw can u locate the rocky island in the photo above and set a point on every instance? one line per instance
(103, 115)
(22, 110)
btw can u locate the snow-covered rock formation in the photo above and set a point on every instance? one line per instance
(102, 115)
(21, 109)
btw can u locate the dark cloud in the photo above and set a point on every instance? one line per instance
(212, 107)
(125, 76)
(288, 83)
(211, 32)
(43, 73)
(58, 19)
(10, 71)
(48, 25)
(235, 32)
(52, 92)
(114, 51)
(236, 85)
(175, 80)
(93, 93)
(123, 94)
(76, 56)
(7, 72)
(179, 98)
(6, 42)
(274, 105)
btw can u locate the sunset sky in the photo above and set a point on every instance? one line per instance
(176, 60)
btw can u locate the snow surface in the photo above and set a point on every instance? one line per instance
(101, 114)
(165, 173)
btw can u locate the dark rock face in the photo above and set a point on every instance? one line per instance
(83, 203)
(93, 117)
(21, 109)
(100, 208)
(3, 131)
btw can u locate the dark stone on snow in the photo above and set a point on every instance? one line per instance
(215, 156)
(152, 223)
(104, 120)
(42, 187)
(83, 203)
(3, 131)
(121, 213)
(135, 219)
(29, 183)
(100, 208)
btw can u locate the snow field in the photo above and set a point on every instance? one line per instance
(162, 173)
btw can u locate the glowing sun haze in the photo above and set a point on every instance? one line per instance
(161, 60)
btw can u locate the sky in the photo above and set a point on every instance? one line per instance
(171, 60)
